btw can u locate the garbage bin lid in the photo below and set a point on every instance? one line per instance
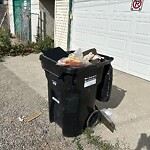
(55, 53)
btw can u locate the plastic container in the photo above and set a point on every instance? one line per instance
(71, 91)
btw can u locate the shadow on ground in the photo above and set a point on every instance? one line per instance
(117, 96)
(144, 142)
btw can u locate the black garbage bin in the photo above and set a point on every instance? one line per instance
(71, 90)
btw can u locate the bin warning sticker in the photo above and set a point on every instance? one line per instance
(89, 81)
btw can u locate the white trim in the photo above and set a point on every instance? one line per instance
(55, 24)
(11, 16)
(34, 18)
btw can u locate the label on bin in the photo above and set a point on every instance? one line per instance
(89, 81)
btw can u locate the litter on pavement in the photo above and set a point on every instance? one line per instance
(21, 118)
(30, 117)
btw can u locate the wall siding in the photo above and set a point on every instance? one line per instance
(61, 23)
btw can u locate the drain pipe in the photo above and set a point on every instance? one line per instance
(69, 25)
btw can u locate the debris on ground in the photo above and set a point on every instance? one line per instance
(21, 118)
(32, 116)
(107, 120)
(107, 112)
(44, 133)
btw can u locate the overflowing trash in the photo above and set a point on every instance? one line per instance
(79, 58)
(71, 60)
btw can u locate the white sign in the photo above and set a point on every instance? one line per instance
(90, 81)
(136, 5)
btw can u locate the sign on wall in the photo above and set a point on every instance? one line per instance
(136, 5)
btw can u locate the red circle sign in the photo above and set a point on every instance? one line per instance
(137, 4)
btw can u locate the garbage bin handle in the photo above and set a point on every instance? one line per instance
(52, 73)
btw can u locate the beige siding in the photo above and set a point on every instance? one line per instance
(61, 23)
(34, 18)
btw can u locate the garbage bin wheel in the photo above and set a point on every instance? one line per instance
(93, 119)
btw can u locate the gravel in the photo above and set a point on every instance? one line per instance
(18, 99)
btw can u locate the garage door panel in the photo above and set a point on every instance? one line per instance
(120, 26)
(98, 23)
(80, 10)
(80, 13)
(82, 23)
(142, 28)
(81, 6)
(78, 45)
(143, 18)
(100, 6)
(117, 44)
(122, 6)
(81, 36)
(97, 40)
(119, 61)
(138, 68)
(146, 6)
(141, 49)
(140, 59)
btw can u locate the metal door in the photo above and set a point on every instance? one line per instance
(22, 9)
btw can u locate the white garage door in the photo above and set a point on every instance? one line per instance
(113, 29)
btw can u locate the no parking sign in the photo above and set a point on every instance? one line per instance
(136, 5)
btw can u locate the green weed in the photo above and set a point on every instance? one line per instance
(77, 140)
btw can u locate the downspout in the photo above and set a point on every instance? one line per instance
(69, 25)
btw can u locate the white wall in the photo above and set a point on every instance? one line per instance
(34, 18)
(61, 23)
(5, 1)
(11, 16)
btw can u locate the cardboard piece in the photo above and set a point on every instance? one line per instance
(32, 116)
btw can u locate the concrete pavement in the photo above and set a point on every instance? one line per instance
(129, 103)
(28, 69)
